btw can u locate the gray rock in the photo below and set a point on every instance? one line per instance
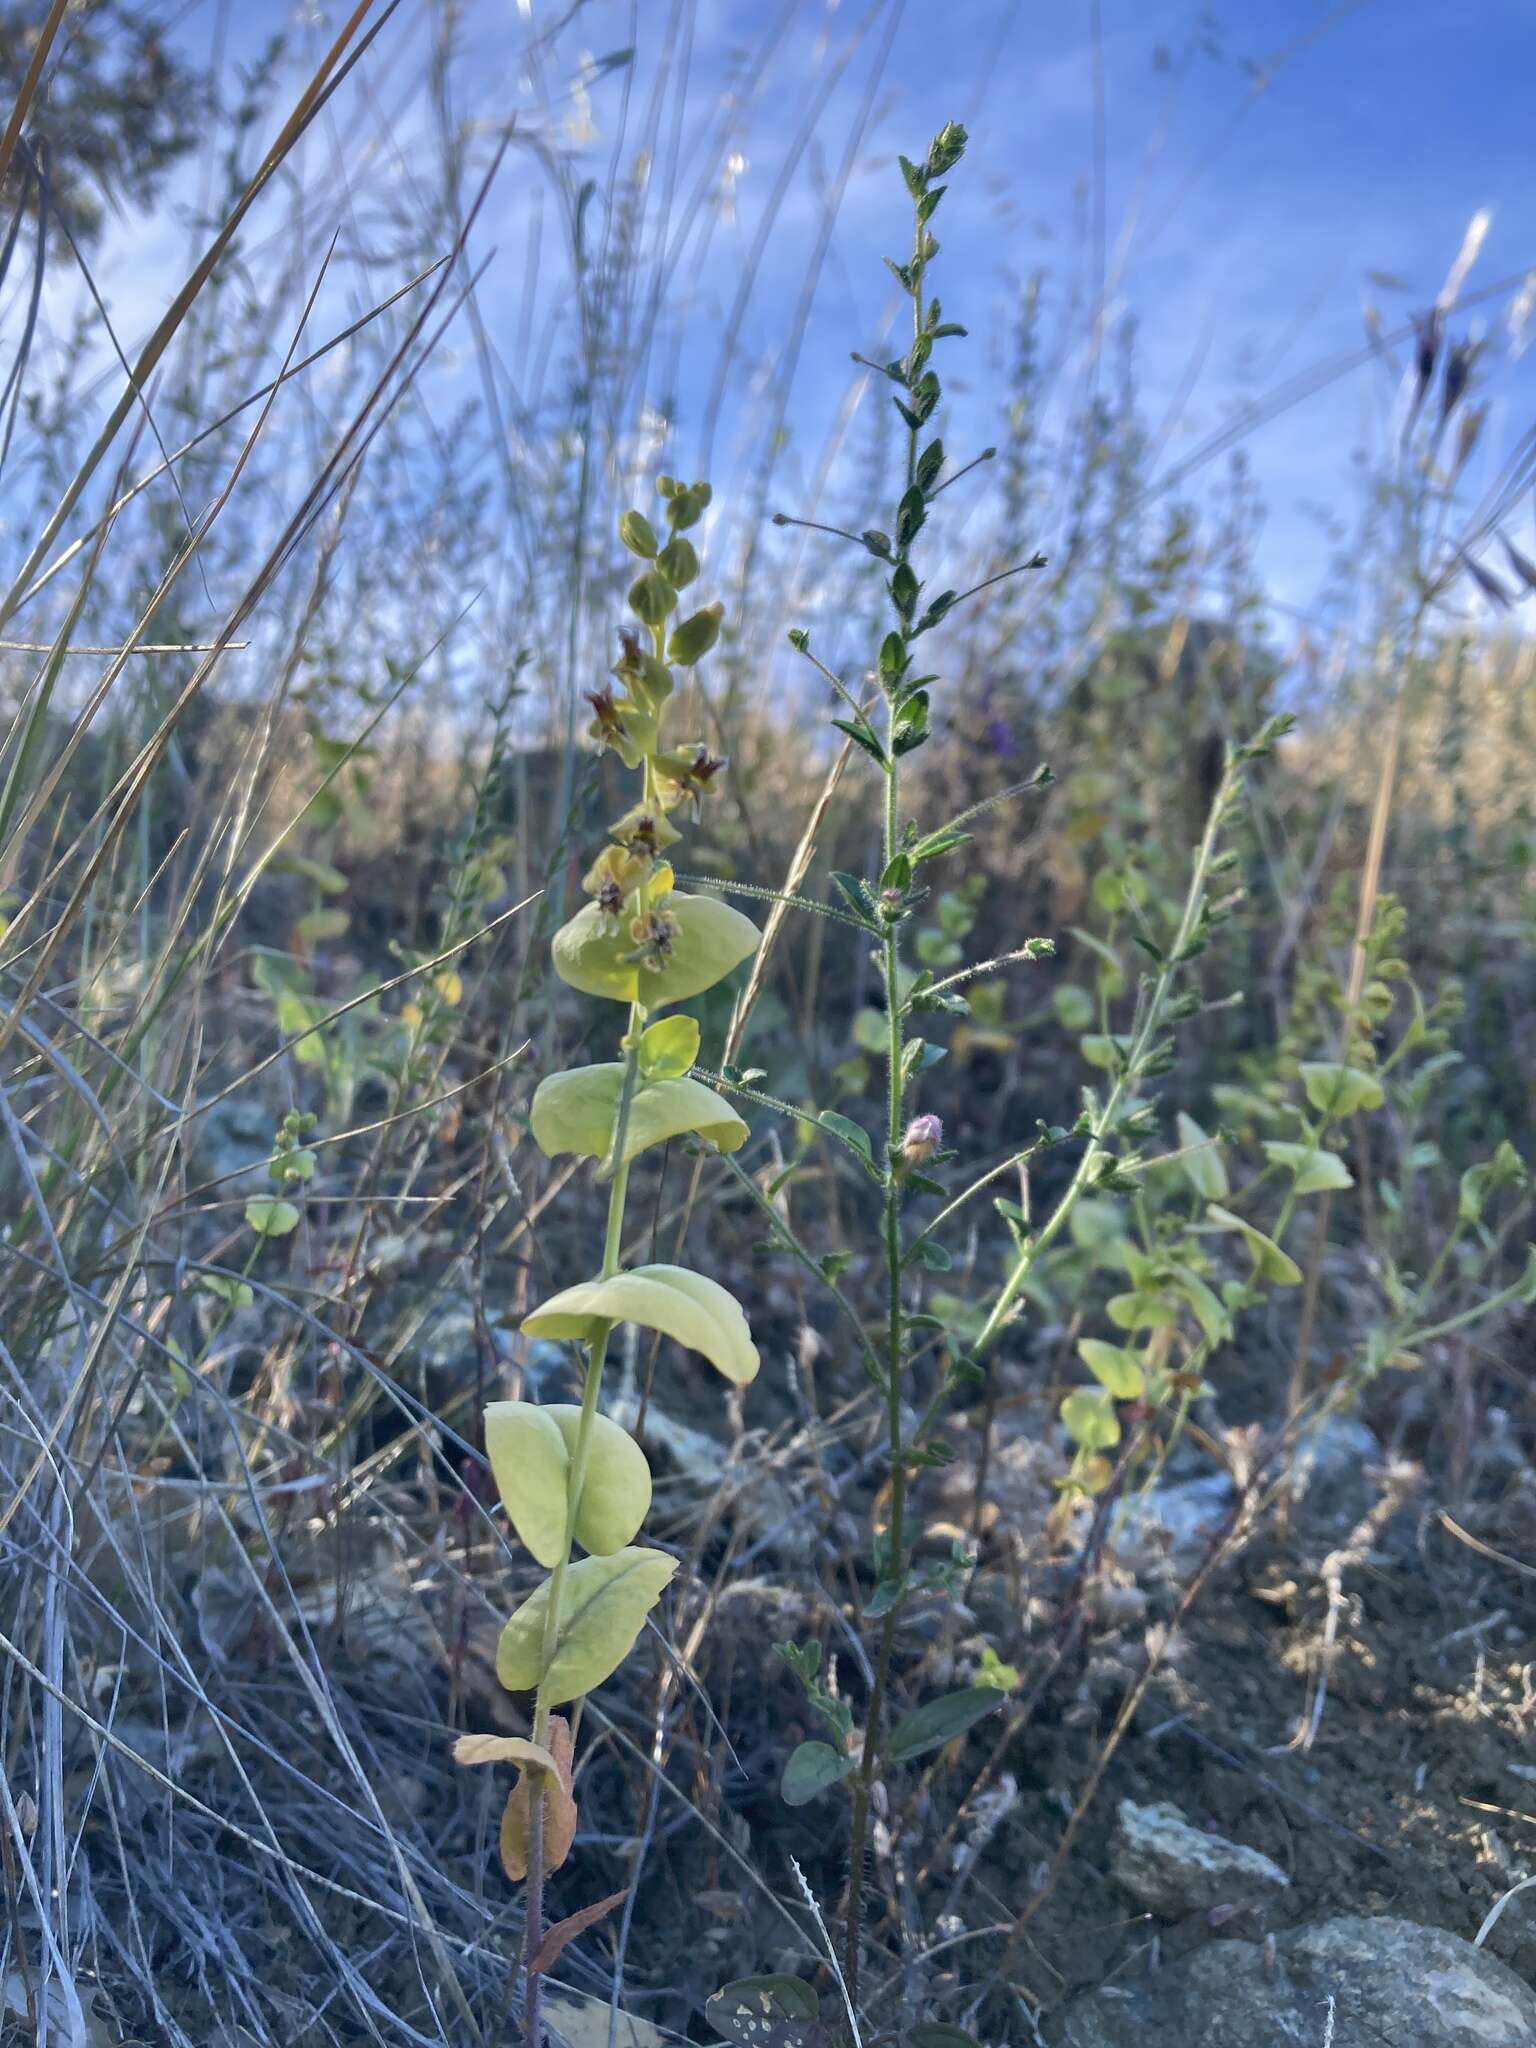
(1333, 1466)
(1178, 1523)
(1353, 1983)
(1174, 1868)
(233, 1143)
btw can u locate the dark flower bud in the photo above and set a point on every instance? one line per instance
(924, 1136)
(1458, 374)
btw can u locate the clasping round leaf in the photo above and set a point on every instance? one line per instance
(605, 1602)
(668, 1048)
(696, 1311)
(531, 1448)
(708, 939)
(1117, 1370)
(1090, 1420)
(1338, 1090)
(576, 1112)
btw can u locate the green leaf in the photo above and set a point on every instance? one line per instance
(531, 1465)
(929, 1254)
(939, 1721)
(269, 1217)
(1269, 1261)
(1090, 1420)
(1117, 1370)
(863, 736)
(605, 1602)
(320, 925)
(1316, 1172)
(1215, 1323)
(1338, 1090)
(932, 844)
(853, 1135)
(753, 2010)
(1148, 1308)
(237, 1293)
(296, 1019)
(811, 1769)
(696, 1311)
(576, 1112)
(1201, 1161)
(1074, 1007)
(531, 1449)
(855, 893)
(938, 2034)
(709, 938)
(668, 1048)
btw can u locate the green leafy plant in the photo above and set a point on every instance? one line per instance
(568, 1475)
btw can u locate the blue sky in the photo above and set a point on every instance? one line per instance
(1269, 173)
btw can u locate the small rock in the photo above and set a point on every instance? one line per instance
(232, 1143)
(1333, 1466)
(1178, 1523)
(1172, 1867)
(1352, 1982)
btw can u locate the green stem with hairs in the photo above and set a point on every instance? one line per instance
(890, 968)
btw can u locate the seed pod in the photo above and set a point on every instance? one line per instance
(693, 639)
(678, 562)
(652, 598)
(686, 503)
(638, 535)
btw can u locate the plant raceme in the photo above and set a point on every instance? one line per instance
(569, 1476)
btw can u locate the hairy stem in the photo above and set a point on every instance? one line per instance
(1141, 1045)
(895, 1563)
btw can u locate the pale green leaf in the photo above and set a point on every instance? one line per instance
(576, 1112)
(238, 1293)
(1269, 1261)
(1316, 1172)
(530, 1463)
(531, 1449)
(1090, 1420)
(1117, 1370)
(1148, 1308)
(1200, 1160)
(1338, 1090)
(269, 1217)
(616, 1489)
(668, 1048)
(709, 938)
(603, 1609)
(697, 1312)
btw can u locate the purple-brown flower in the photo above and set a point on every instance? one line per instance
(924, 1136)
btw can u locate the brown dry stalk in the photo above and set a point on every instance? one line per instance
(28, 93)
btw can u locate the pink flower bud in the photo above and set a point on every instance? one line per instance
(924, 1136)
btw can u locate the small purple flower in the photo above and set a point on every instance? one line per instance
(924, 1136)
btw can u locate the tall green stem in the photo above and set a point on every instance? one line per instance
(1130, 1071)
(597, 1353)
(895, 1564)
